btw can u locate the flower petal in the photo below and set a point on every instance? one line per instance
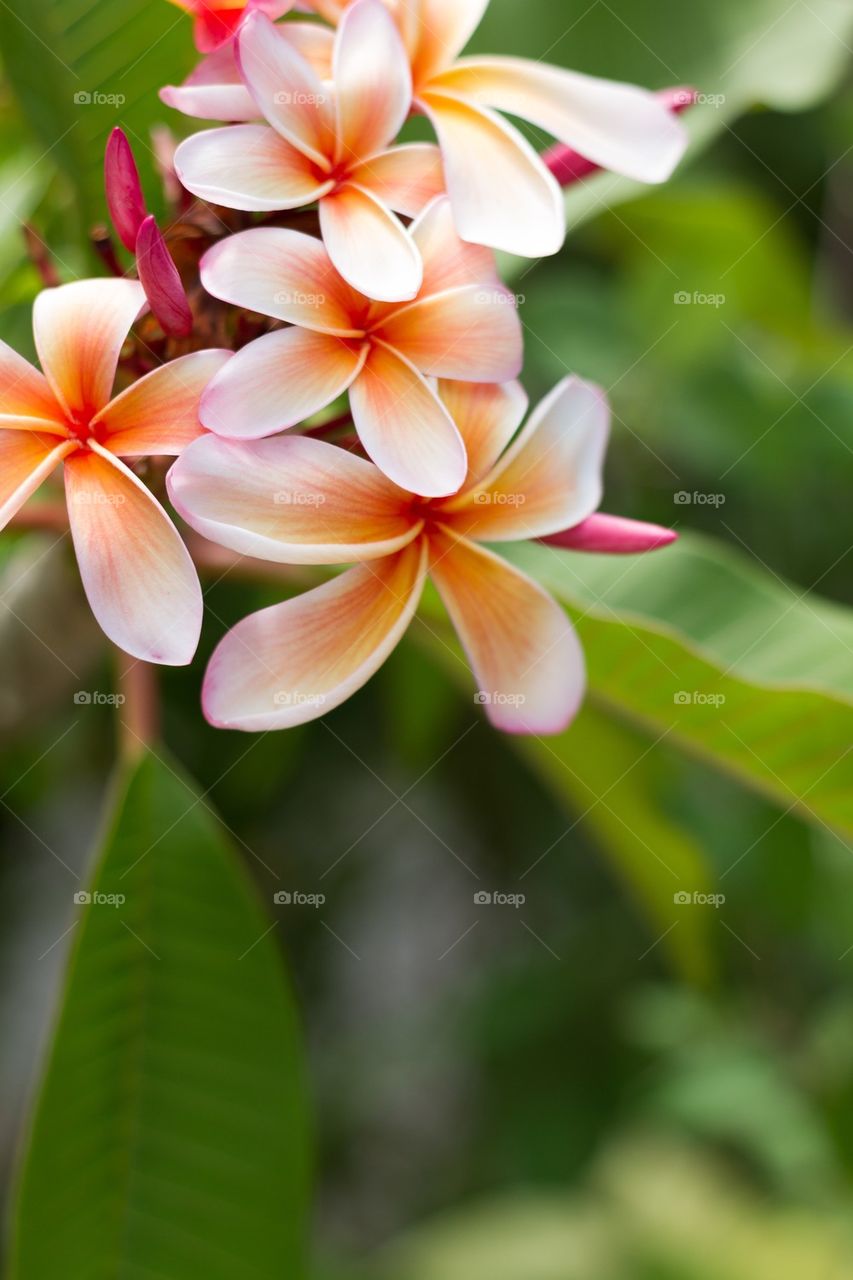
(284, 274)
(79, 331)
(159, 413)
(618, 126)
(291, 500)
(137, 574)
(405, 428)
(488, 414)
(247, 166)
(405, 178)
(25, 392)
(299, 660)
(446, 28)
(373, 80)
(613, 536)
(550, 478)
(524, 652)
(449, 261)
(286, 89)
(502, 193)
(277, 381)
(215, 90)
(472, 333)
(369, 245)
(26, 460)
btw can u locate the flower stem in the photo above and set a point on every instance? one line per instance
(139, 712)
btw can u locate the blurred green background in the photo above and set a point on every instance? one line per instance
(600, 1083)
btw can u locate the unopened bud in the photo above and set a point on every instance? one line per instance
(162, 282)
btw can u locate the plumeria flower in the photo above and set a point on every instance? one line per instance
(463, 324)
(503, 195)
(215, 89)
(214, 24)
(136, 571)
(298, 500)
(327, 146)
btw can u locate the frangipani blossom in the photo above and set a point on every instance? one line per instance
(217, 21)
(327, 146)
(502, 193)
(215, 89)
(463, 324)
(137, 574)
(298, 500)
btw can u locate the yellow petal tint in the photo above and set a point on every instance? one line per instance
(291, 499)
(299, 660)
(523, 650)
(488, 414)
(27, 458)
(79, 330)
(405, 178)
(159, 413)
(551, 476)
(26, 399)
(137, 574)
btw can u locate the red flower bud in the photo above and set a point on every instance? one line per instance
(125, 200)
(161, 281)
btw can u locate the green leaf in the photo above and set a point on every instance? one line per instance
(78, 69)
(610, 781)
(733, 666)
(169, 1138)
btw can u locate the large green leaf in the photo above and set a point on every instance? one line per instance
(730, 664)
(78, 69)
(169, 1138)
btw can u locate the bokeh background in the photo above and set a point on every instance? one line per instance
(597, 1083)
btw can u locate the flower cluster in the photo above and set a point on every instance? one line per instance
(311, 256)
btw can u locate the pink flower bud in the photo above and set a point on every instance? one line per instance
(161, 281)
(569, 166)
(612, 535)
(125, 200)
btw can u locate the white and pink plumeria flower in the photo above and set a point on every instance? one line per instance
(463, 325)
(137, 573)
(329, 144)
(297, 500)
